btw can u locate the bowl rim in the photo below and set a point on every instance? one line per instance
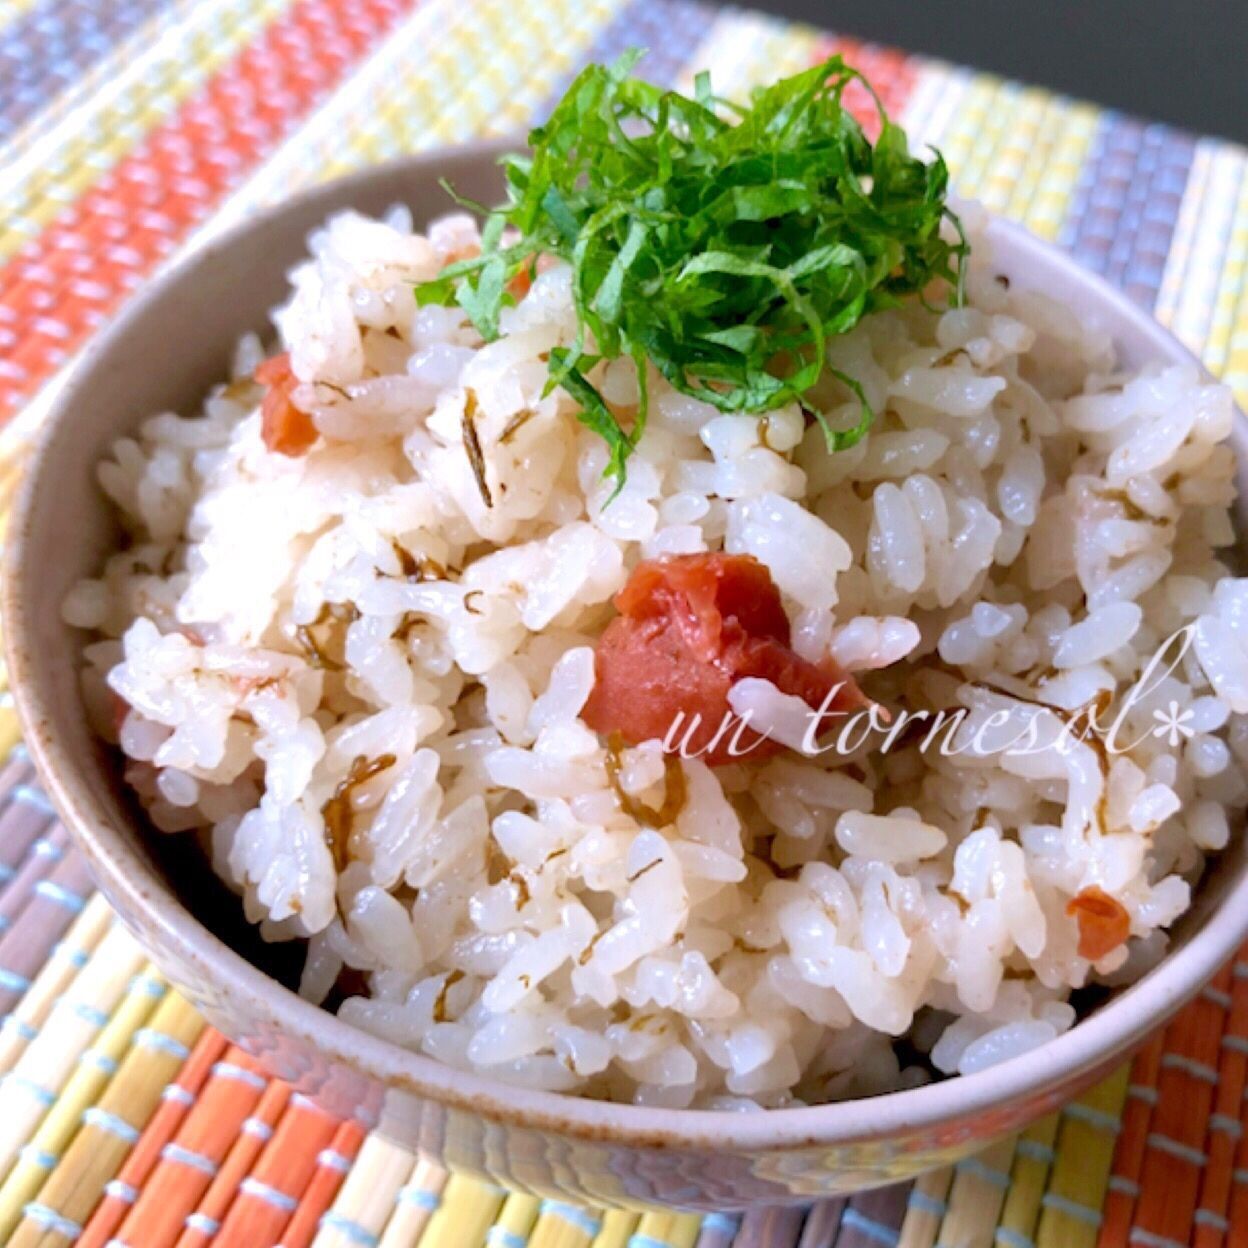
(1108, 1034)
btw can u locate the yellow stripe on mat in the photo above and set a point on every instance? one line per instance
(81, 1091)
(1033, 1156)
(561, 1225)
(746, 50)
(102, 1144)
(453, 93)
(367, 1196)
(666, 1230)
(414, 1205)
(925, 1209)
(10, 730)
(978, 133)
(1019, 154)
(515, 1221)
(1070, 1214)
(1060, 172)
(976, 1196)
(972, 128)
(618, 1226)
(468, 1209)
(1045, 138)
(449, 73)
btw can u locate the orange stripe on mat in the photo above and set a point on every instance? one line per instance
(1137, 1114)
(331, 1169)
(283, 1171)
(1174, 1157)
(191, 1160)
(121, 1193)
(1238, 1210)
(202, 1225)
(892, 74)
(63, 283)
(1224, 1126)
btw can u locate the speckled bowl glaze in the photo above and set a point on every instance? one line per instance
(164, 352)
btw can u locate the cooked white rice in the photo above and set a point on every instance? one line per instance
(1023, 519)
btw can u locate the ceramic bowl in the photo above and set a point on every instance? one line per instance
(164, 351)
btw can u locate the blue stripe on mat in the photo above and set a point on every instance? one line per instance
(1126, 202)
(49, 48)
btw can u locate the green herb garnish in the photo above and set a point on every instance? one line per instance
(724, 251)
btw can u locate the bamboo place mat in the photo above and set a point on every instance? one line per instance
(130, 128)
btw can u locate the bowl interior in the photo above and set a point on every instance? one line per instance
(177, 342)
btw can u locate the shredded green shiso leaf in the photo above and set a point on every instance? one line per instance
(726, 250)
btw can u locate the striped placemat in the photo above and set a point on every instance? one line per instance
(129, 129)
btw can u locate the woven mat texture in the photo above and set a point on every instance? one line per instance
(131, 128)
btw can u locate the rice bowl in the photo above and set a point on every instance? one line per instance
(802, 912)
(576, 1146)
